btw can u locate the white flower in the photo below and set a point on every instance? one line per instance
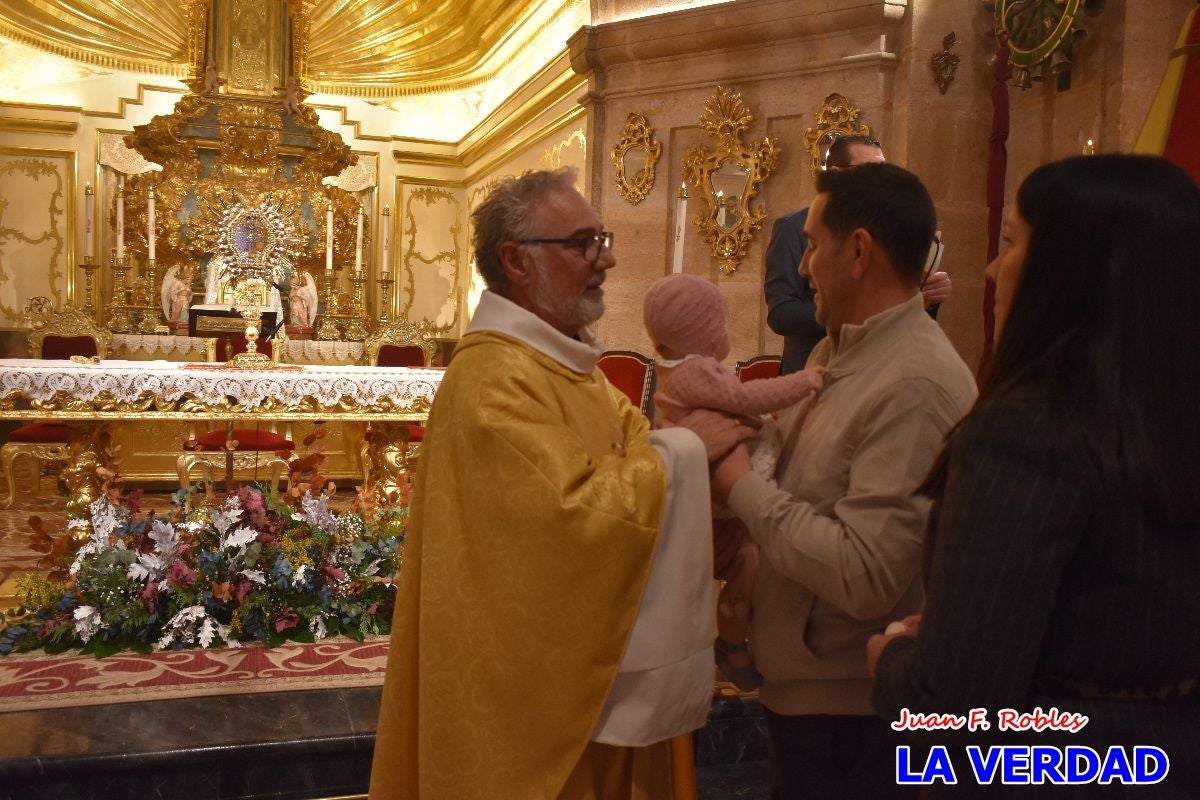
(191, 626)
(317, 626)
(239, 538)
(87, 622)
(298, 576)
(255, 576)
(317, 514)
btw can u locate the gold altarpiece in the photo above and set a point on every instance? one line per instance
(244, 163)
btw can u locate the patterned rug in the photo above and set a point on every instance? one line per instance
(37, 680)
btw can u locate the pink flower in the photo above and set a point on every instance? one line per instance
(241, 591)
(149, 595)
(181, 573)
(334, 573)
(287, 619)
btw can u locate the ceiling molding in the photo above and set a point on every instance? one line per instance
(51, 127)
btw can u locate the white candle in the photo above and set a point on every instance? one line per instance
(88, 211)
(329, 237)
(358, 241)
(120, 218)
(680, 228)
(150, 225)
(387, 238)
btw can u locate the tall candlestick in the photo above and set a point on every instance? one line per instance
(387, 238)
(358, 241)
(88, 195)
(329, 237)
(120, 218)
(680, 228)
(150, 225)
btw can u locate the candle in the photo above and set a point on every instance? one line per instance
(120, 218)
(88, 211)
(329, 237)
(150, 225)
(680, 228)
(387, 240)
(358, 241)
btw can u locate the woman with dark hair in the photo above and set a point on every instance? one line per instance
(1063, 558)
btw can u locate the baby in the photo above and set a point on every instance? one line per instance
(685, 317)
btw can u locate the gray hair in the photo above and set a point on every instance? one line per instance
(506, 215)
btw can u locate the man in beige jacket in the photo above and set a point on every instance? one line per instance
(841, 535)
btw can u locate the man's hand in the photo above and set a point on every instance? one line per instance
(719, 432)
(936, 288)
(909, 626)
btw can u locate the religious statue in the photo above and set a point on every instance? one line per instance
(212, 81)
(303, 299)
(291, 99)
(176, 293)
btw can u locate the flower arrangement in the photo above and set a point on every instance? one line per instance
(257, 566)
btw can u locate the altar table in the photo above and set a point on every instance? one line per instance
(142, 390)
(167, 393)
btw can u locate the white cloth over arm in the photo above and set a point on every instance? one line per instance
(665, 681)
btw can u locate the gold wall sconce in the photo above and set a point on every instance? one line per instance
(728, 178)
(944, 63)
(1042, 35)
(634, 157)
(836, 118)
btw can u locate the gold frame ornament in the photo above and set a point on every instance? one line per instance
(726, 118)
(636, 135)
(836, 118)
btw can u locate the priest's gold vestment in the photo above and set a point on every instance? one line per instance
(533, 528)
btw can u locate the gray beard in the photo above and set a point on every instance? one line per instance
(576, 315)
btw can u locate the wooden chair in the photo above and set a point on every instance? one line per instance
(758, 367)
(632, 373)
(56, 335)
(399, 343)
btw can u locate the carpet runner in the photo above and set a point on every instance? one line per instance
(37, 680)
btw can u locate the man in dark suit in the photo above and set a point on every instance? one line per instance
(790, 307)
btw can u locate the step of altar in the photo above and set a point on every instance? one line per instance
(283, 745)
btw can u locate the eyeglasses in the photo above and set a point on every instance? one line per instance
(588, 246)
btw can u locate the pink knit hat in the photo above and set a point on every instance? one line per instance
(687, 315)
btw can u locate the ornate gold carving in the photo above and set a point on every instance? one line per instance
(836, 118)
(249, 44)
(638, 150)
(445, 261)
(728, 178)
(944, 63)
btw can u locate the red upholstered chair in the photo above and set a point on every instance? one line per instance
(255, 450)
(58, 335)
(632, 373)
(758, 367)
(400, 343)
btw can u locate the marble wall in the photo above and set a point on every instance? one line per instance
(784, 57)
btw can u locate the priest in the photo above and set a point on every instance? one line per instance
(554, 619)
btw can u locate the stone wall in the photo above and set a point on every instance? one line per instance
(784, 57)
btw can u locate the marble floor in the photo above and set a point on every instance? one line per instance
(284, 745)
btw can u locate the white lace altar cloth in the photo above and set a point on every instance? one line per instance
(174, 348)
(331, 387)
